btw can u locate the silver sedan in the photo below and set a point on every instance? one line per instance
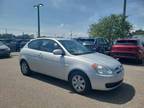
(68, 60)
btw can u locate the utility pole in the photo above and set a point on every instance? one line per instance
(23, 33)
(124, 16)
(6, 31)
(38, 15)
(71, 34)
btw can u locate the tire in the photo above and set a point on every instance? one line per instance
(25, 68)
(80, 82)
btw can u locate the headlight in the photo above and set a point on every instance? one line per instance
(102, 70)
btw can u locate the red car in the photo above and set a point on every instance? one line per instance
(128, 49)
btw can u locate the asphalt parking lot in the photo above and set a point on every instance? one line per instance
(39, 91)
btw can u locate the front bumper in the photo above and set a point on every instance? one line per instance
(114, 84)
(106, 83)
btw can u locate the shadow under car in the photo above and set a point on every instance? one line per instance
(120, 95)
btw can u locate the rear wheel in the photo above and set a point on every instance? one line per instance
(25, 68)
(80, 82)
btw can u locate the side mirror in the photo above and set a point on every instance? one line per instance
(58, 52)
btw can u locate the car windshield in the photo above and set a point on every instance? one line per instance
(126, 42)
(1, 43)
(75, 47)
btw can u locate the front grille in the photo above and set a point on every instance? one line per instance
(111, 85)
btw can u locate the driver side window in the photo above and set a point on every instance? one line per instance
(49, 46)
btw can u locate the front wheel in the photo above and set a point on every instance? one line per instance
(80, 83)
(25, 68)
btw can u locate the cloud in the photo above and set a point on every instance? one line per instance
(57, 3)
(61, 25)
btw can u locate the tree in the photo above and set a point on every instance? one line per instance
(110, 27)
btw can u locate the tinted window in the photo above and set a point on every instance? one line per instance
(105, 41)
(49, 46)
(34, 44)
(102, 41)
(126, 42)
(1, 43)
(98, 41)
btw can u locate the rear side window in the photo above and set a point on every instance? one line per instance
(106, 42)
(102, 41)
(34, 44)
(126, 42)
(98, 41)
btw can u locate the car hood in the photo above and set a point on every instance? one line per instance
(102, 59)
(4, 47)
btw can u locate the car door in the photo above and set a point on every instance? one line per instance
(53, 65)
(34, 56)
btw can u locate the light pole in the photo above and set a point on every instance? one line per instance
(38, 15)
(71, 34)
(124, 16)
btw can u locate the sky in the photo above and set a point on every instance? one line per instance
(63, 17)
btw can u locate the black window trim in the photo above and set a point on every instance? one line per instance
(53, 41)
(32, 42)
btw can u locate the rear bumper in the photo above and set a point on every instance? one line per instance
(126, 55)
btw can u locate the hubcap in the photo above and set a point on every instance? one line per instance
(78, 83)
(24, 68)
